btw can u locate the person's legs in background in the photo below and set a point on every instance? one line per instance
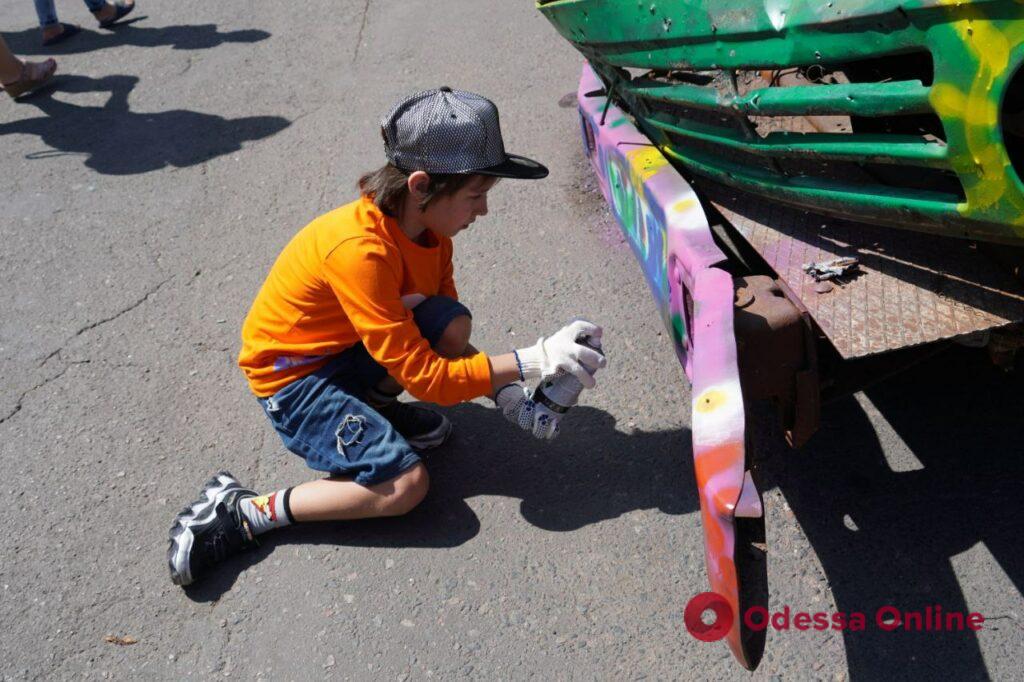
(106, 13)
(47, 13)
(53, 30)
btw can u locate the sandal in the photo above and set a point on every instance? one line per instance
(26, 82)
(67, 30)
(121, 10)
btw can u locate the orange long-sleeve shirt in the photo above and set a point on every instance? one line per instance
(339, 281)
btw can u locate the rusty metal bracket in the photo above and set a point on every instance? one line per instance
(777, 361)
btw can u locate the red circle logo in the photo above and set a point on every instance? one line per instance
(696, 608)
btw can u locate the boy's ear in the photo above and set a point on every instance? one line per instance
(418, 184)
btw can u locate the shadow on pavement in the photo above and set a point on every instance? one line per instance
(887, 537)
(884, 537)
(184, 37)
(117, 141)
(590, 473)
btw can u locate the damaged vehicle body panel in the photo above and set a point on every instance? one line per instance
(757, 156)
(670, 236)
(905, 114)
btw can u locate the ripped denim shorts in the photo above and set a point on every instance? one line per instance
(322, 418)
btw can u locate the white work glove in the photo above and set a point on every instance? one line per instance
(514, 402)
(560, 352)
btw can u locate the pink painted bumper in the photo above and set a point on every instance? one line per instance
(662, 217)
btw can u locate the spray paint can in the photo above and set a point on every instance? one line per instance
(561, 391)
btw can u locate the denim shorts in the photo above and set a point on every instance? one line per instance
(323, 419)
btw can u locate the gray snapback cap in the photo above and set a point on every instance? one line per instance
(452, 132)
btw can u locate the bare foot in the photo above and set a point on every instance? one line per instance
(40, 71)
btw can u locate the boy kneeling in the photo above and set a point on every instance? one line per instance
(361, 304)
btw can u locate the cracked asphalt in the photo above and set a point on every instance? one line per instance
(145, 198)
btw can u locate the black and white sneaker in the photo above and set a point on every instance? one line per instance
(422, 428)
(209, 530)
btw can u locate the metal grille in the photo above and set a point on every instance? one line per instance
(914, 288)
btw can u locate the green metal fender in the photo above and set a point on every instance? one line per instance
(929, 96)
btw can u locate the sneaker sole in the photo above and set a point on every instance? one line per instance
(433, 439)
(199, 512)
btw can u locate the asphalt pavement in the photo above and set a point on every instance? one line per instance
(144, 199)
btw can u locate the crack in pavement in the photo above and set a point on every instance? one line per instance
(93, 325)
(58, 375)
(130, 308)
(1009, 617)
(302, 116)
(113, 317)
(362, 26)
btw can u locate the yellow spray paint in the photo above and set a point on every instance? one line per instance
(990, 45)
(644, 164)
(711, 400)
(684, 205)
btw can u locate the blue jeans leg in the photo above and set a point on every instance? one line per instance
(47, 12)
(322, 416)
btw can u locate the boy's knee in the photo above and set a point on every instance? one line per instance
(409, 489)
(455, 338)
(447, 323)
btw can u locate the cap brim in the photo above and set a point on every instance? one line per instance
(516, 167)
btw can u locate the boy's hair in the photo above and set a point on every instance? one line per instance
(388, 189)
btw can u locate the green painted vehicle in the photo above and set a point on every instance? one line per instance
(907, 114)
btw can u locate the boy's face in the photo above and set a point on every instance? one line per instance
(448, 215)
